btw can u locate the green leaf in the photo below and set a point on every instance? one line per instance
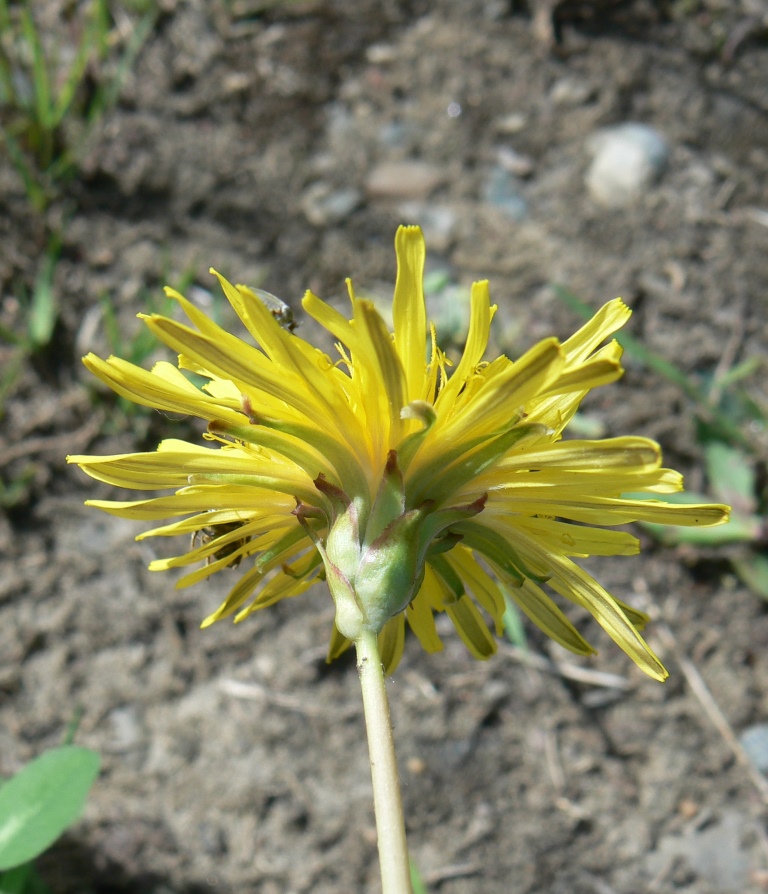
(43, 800)
(14, 881)
(753, 570)
(731, 475)
(23, 879)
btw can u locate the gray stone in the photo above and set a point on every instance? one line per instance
(502, 190)
(512, 123)
(403, 180)
(754, 740)
(437, 221)
(323, 205)
(570, 92)
(515, 162)
(627, 160)
(716, 853)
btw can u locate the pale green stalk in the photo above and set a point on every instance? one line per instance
(387, 802)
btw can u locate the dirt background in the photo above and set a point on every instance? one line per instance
(269, 141)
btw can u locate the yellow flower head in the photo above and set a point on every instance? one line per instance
(409, 489)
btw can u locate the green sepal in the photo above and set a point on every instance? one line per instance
(350, 619)
(343, 541)
(476, 462)
(443, 544)
(437, 522)
(389, 503)
(340, 555)
(392, 569)
(339, 454)
(448, 471)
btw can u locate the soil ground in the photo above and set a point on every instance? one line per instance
(270, 140)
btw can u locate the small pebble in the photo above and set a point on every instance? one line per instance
(126, 728)
(627, 160)
(501, 189)
(403, 180)
(323, 205)
(516, 163)
(416, 765)
(570, 92)
(511, 124)
(437, 221)
(381, 53)
(395, 135)
(754, 740)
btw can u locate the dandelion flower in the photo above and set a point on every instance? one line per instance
(410, 486)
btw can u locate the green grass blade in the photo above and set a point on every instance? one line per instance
(8, 96)
(741, 371)
(41, 80)
(74, 722)
(753, 570)
(92, 43)
(109, 94)
(74, 77)
(417, 883)
(111, 327)
(43, 310)
(9, 375)
(35, 192)
(514, 629)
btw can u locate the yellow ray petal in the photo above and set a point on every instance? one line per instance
(391, 642)
(609, 511)
(151, 390)
(480, 317)
(502, 393)
(635, 454)
(230, 358)
(545, 614)
(408, 311)
(281, 586)
(472, 628)
(481, 585)
(575, 584)
(611, 317)
(420, 617)
(384, 376)
(571, 540)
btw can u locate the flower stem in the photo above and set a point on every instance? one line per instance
(387, 803)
